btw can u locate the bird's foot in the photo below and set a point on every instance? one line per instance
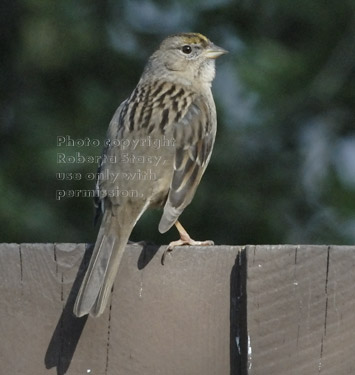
(184, 240)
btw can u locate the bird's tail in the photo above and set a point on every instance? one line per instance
(105, 260)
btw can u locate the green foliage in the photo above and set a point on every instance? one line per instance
(285, 96)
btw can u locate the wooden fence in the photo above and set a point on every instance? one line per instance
(259, 310)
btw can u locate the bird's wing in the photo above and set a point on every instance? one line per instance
(194, 136)
(159, 109)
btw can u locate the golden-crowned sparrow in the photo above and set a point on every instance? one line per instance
(158, 145)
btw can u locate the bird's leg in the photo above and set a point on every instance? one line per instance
(185, 239)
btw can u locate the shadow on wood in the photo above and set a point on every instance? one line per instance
(238, 317)
(67, 333)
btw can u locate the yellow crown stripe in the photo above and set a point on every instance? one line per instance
(195, 38)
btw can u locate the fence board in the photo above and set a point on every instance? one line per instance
(169, 319)
(301, 310)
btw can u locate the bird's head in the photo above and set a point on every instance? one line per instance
(187, 57)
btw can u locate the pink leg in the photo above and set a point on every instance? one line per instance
(185, 239)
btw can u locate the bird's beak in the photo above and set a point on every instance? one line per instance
(214, 51)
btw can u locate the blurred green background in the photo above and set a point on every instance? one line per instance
(283, 168)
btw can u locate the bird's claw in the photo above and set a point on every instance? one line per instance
(181, 242)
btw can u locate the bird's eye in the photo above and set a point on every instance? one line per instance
(186, 49)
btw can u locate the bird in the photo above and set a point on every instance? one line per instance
(157, 148)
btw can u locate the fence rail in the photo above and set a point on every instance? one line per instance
(259, 310)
